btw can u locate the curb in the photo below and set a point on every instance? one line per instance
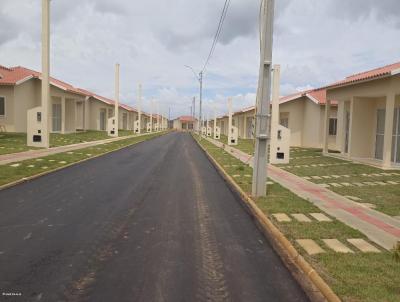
(311, 282)
(29, 178)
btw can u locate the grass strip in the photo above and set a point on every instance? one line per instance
(354, 277)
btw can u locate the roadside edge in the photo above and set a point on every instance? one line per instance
(311, 282)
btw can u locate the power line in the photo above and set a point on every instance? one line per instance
(218, 33)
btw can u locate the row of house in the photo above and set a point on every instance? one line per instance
(73, 109)
(358, 117)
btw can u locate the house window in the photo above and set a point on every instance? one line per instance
(332, 126)
(2, 106)
(285, 122)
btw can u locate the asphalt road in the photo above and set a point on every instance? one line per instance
(152, 222)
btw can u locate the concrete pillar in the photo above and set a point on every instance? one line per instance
(388, 139)
(63, 115)
(46, 99)
(352, 100)
(326, 127)
(116, 110)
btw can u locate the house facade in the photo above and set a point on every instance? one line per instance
(72, 109)
(185, 123)
(369, 116)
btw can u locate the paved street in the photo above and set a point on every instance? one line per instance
(152, 222)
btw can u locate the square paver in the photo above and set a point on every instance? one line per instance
(310, 246)
(301, 218)
(353, 198)
(346, 184)
(321, 217)
(336, 185)
(363, 245)
(337, 246)
(282, 217)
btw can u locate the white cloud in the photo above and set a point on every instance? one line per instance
(316, 42)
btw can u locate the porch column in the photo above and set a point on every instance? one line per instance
(349, 153)
(75, 114)
(85, 113)
(63, 114)
(326, 128)
(388, 139)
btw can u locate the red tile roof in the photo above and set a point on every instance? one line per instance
(186, 118)
(16, 75)
(376, 73)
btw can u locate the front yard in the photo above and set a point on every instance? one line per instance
(16, 142)
(354, 276)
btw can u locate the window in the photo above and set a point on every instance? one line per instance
(285, 122)
(2, 106)
(332, 126)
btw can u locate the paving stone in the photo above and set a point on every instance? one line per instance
(393, 182)
(236, 176)
(31, 166)
(324, 185)
(316, 177)
(363, 245)
(337, 246)
(359, 184)
(306, 178)
(326, 177)
(353, 198)
(335, 176)
(368, 183)
(301, 218)
(15, 165)
(270, 183)
(381, 183)
(282, 217)
(321, 217)
(334, 184)
(346, 184)
(310, 246)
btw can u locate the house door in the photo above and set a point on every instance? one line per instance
(249, 127)
(102, 119)
(56, 117)
(79, 116)
(347, 134)
(125, 121)
(380, 133)
(396, 137)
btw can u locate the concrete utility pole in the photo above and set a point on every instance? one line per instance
(194, 107)
(139, 108)
(151, 116)
(116, 115)
(201, 94)
(259, 187)
(46, 100)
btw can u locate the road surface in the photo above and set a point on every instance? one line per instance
(152, 222)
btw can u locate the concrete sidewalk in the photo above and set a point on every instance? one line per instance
(32, 154)
(378, 227)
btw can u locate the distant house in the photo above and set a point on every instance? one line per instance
(72, 109)
(185, 123)
(369, 116)
(303, 113)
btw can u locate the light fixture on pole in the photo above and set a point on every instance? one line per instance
(199, 77)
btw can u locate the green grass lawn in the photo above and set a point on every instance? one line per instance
(16, 142)
(13, 143)
(354, 277)
(385, 198)
(16, 171)
(245, 145)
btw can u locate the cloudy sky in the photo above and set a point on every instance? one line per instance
(315, 41)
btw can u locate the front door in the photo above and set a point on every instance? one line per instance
(347, 134)
(79, 115)
(396, 137)
(380, 133)
(103, 119)
(249, 127)
(125, 121)
(56, 117)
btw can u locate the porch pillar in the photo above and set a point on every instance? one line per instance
(76, 115)
(388, 139)
(350, 153)
(326, 128)
(63, 114)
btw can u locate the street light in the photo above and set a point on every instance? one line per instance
(199, 77)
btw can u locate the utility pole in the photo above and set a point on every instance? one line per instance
(194, 107)
(46, 100)
(259, 187)
(116, 115)
(139, 96)
(201, 98)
